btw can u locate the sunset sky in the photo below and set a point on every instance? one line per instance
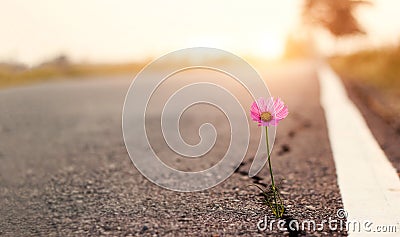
(126, 30)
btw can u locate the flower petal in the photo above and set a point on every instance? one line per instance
(262, 104)
(255, 112)
(278, 105)
(282, 114)
(270, 105)
(273, 122)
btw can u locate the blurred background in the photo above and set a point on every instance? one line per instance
(65, 68)
(46, 40)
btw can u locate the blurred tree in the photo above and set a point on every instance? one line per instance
(336, 16)
(61, 60)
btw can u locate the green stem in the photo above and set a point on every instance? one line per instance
(270, 167)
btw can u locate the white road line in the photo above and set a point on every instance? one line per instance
(369, 185)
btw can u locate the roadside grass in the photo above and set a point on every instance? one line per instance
(10, 76)
(379, 68)
(61, 68)
(375, 75)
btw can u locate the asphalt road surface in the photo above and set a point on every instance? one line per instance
(65, 170)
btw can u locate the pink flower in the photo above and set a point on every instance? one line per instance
(268, 112)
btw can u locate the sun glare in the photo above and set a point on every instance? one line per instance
(270, 46)
(205, 41)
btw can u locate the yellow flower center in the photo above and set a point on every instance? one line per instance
(266, 116)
